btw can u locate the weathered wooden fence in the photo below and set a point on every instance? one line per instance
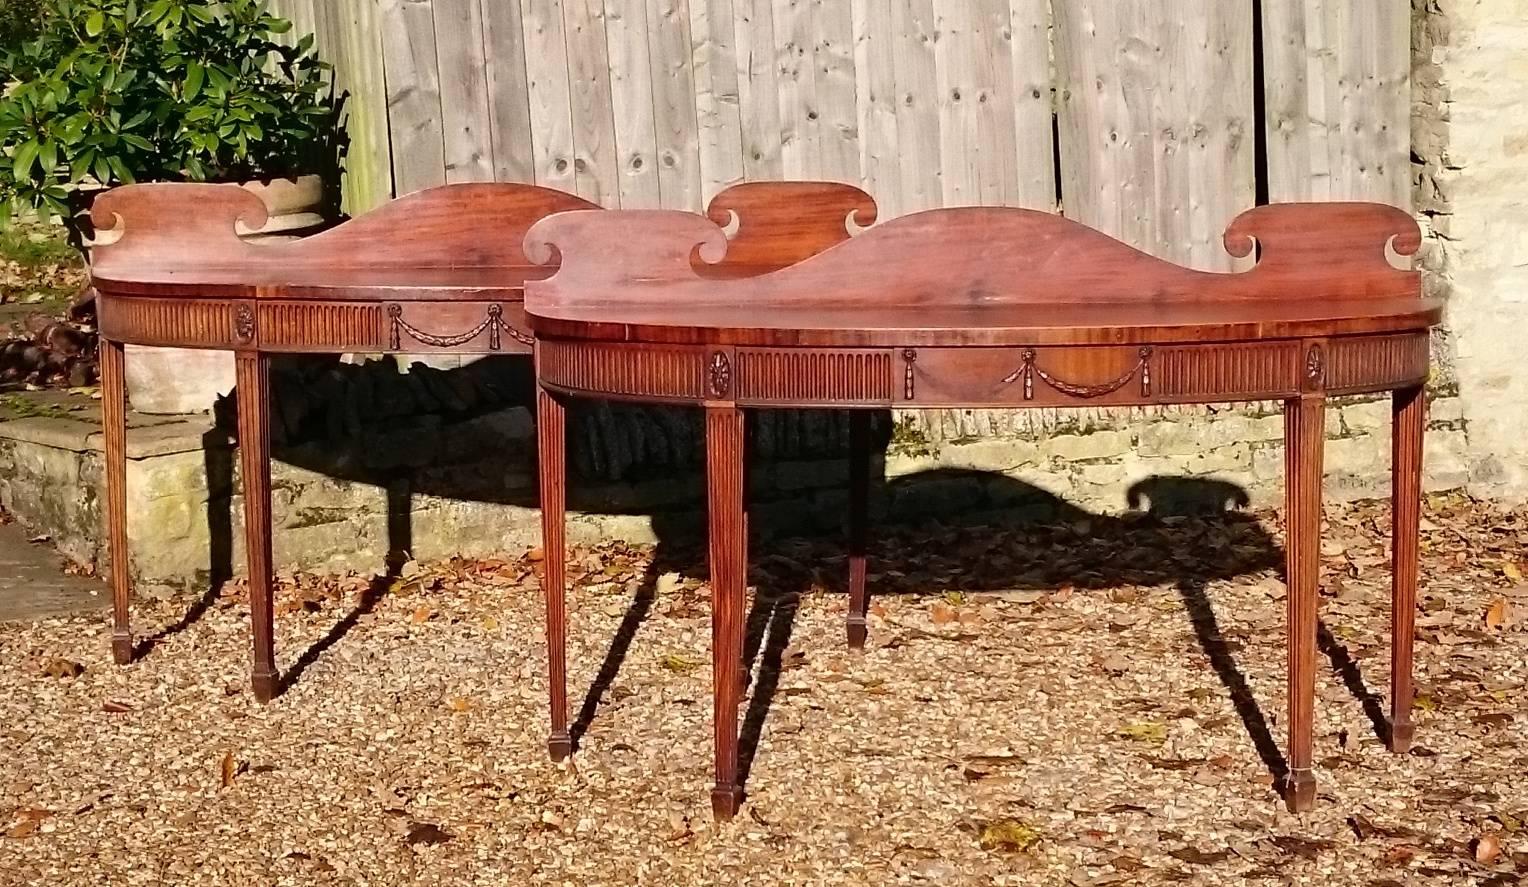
(1155, 121)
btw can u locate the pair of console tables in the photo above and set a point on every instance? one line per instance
(971, 307)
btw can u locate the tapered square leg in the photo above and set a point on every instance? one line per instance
(1304, 437)
(552, 473)
(728, 528)
(859, 518)
(114, 430)
(253, 398)
(1408, 427)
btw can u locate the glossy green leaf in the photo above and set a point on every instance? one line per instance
(21, 164)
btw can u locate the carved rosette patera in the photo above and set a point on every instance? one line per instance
(493, 324)
(718, 375)
(243, 323)
(1029, 369)
(1315, 367)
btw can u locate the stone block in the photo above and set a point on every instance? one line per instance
(997, 454)
(1096, 445)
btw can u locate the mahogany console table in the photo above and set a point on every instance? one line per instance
(984, 307)
(440, 270)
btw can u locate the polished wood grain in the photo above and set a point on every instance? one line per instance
(729, 577)
(437, 271)
(1322, 270)
(857, 624)
(975, 307)
(981, 308)
(252, 374)
(455, 241)
(114, 432)
(1408, 428)
(552, 475)
(1304, 435)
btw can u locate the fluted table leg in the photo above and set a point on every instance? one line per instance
(253, 397)
(1408, 426)
(552, 473)
(725, 497)
(114, 426)
(859, 508)
(1304, 437)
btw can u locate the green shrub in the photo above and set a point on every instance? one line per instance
(116, 91)
(19, 20)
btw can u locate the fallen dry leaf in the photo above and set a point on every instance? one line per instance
(1499, 614)
(682, 664)
(1145, 731)
(229, 769)
(1008, 835)
(425, 834)
(1487, 848)
(59, 667)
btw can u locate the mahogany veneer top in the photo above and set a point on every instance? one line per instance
(459, 241)
(977, 276)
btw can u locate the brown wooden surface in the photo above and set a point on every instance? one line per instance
(455, 241)
(977, 276)
(1304, 436)
(114, 432)
(969, 307)
(1408, 427)
(993, 308)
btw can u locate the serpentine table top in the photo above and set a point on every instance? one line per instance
(982, 307)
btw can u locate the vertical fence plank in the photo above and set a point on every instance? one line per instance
(594, 160)
(548, 89)
(875, 46)
(347, 35)
(368, 166)
(509, 106)
(1033, 184)
(413, 94)
(997, 153)
(758, 89)
(832, 53)
(955, 51)
(713, 54)
(674, 105)
(1337, 111)
(463, 91)
(631, 94)
(917, 105)
(800, 144)
(1156, 123)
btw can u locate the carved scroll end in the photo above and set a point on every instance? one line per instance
(609, 250)
(1299, 237)
(781, 223)
(161, 221)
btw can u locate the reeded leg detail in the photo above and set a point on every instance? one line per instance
(253, 398)
(859, 509)
(1304, 437)
(725, 497)
(114, 424)
(1408, 427)
(552, 471)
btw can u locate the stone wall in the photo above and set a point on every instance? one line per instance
(441, 488)
(1470, 152)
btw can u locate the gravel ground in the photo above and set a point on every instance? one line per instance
(1097, 701)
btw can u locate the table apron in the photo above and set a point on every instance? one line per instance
(297, 325)
(1006, 376)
